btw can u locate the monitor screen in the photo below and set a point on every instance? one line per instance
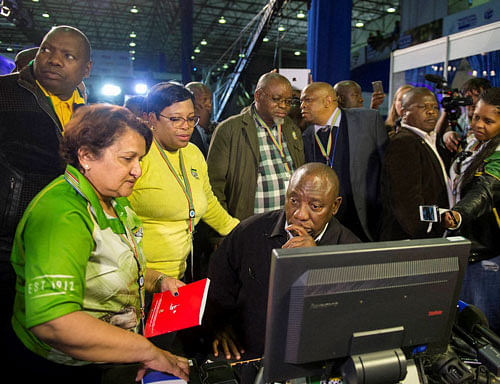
(330, 302)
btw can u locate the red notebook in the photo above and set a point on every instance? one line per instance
(169, 313)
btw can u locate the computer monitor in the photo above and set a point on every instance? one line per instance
(328, 303)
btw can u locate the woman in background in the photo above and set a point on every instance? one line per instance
(393, 121)
(77, 253)
(476, 188)
(174, 192)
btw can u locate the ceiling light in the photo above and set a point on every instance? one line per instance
(133, 35)
(241, 55)
(192, 57)
(203, 42)
(141, 88)
(225, 66)
(197, 50)
(35, 1)
(265, 39)
(111, 89)
(301, 15)
(10, 49)
(46, 15)
(281, 28)
(134, 9)
(132, 52)
(297, 53)
(391, 10)
(222, 20)
(233, 61)
(132, 58)
(132, 44)
(360, 24)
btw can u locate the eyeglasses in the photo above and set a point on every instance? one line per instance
(279, 100)
(178, 121)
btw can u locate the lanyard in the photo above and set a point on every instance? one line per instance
(131, 242)
(186, 188)
(326, 153)
(277, 143)
(128, 238)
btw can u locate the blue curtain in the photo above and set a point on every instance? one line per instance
(329, 40)
(484, 65)
(487, 66)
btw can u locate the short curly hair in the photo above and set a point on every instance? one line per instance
(96, 127)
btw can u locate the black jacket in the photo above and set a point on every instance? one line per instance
(239, 274)
(30, 134)
(480, 224)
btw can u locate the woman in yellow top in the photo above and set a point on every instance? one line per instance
(174, 192)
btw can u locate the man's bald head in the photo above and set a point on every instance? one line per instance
(349, 94)
(74, 31)
(271, 77)
(318, 100)
(198, 89)
(318, 170)
(415, 94)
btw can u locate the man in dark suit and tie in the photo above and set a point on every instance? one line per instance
(202, 133)
(352, 142)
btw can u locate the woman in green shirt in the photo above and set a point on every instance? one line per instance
(77, 253)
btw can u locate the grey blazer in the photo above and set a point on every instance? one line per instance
(367, 141)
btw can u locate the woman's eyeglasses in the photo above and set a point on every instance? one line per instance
(178, 121)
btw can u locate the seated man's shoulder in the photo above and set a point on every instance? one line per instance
(259, 221)
(345, 235)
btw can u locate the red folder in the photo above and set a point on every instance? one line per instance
(169, 313)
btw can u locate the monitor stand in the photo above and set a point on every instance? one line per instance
(381, 367)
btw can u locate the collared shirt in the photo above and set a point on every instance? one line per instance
(273, 177)
(330, 121)
(430, 140)
(63, 108)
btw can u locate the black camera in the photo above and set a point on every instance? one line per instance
(452, 99)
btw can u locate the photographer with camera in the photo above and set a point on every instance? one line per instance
(413, 172)
(459, 107)
(475, 176)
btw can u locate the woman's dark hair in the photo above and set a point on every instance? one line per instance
(96, 127)
(489, 96)
(165, 94)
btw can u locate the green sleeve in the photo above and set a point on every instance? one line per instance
(58, 241)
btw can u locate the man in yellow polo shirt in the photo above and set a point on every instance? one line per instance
(35, 104)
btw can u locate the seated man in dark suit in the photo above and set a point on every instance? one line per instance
(352, 142)
(413, 172)
(239, 268)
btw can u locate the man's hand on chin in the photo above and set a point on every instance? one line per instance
(300, 238)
